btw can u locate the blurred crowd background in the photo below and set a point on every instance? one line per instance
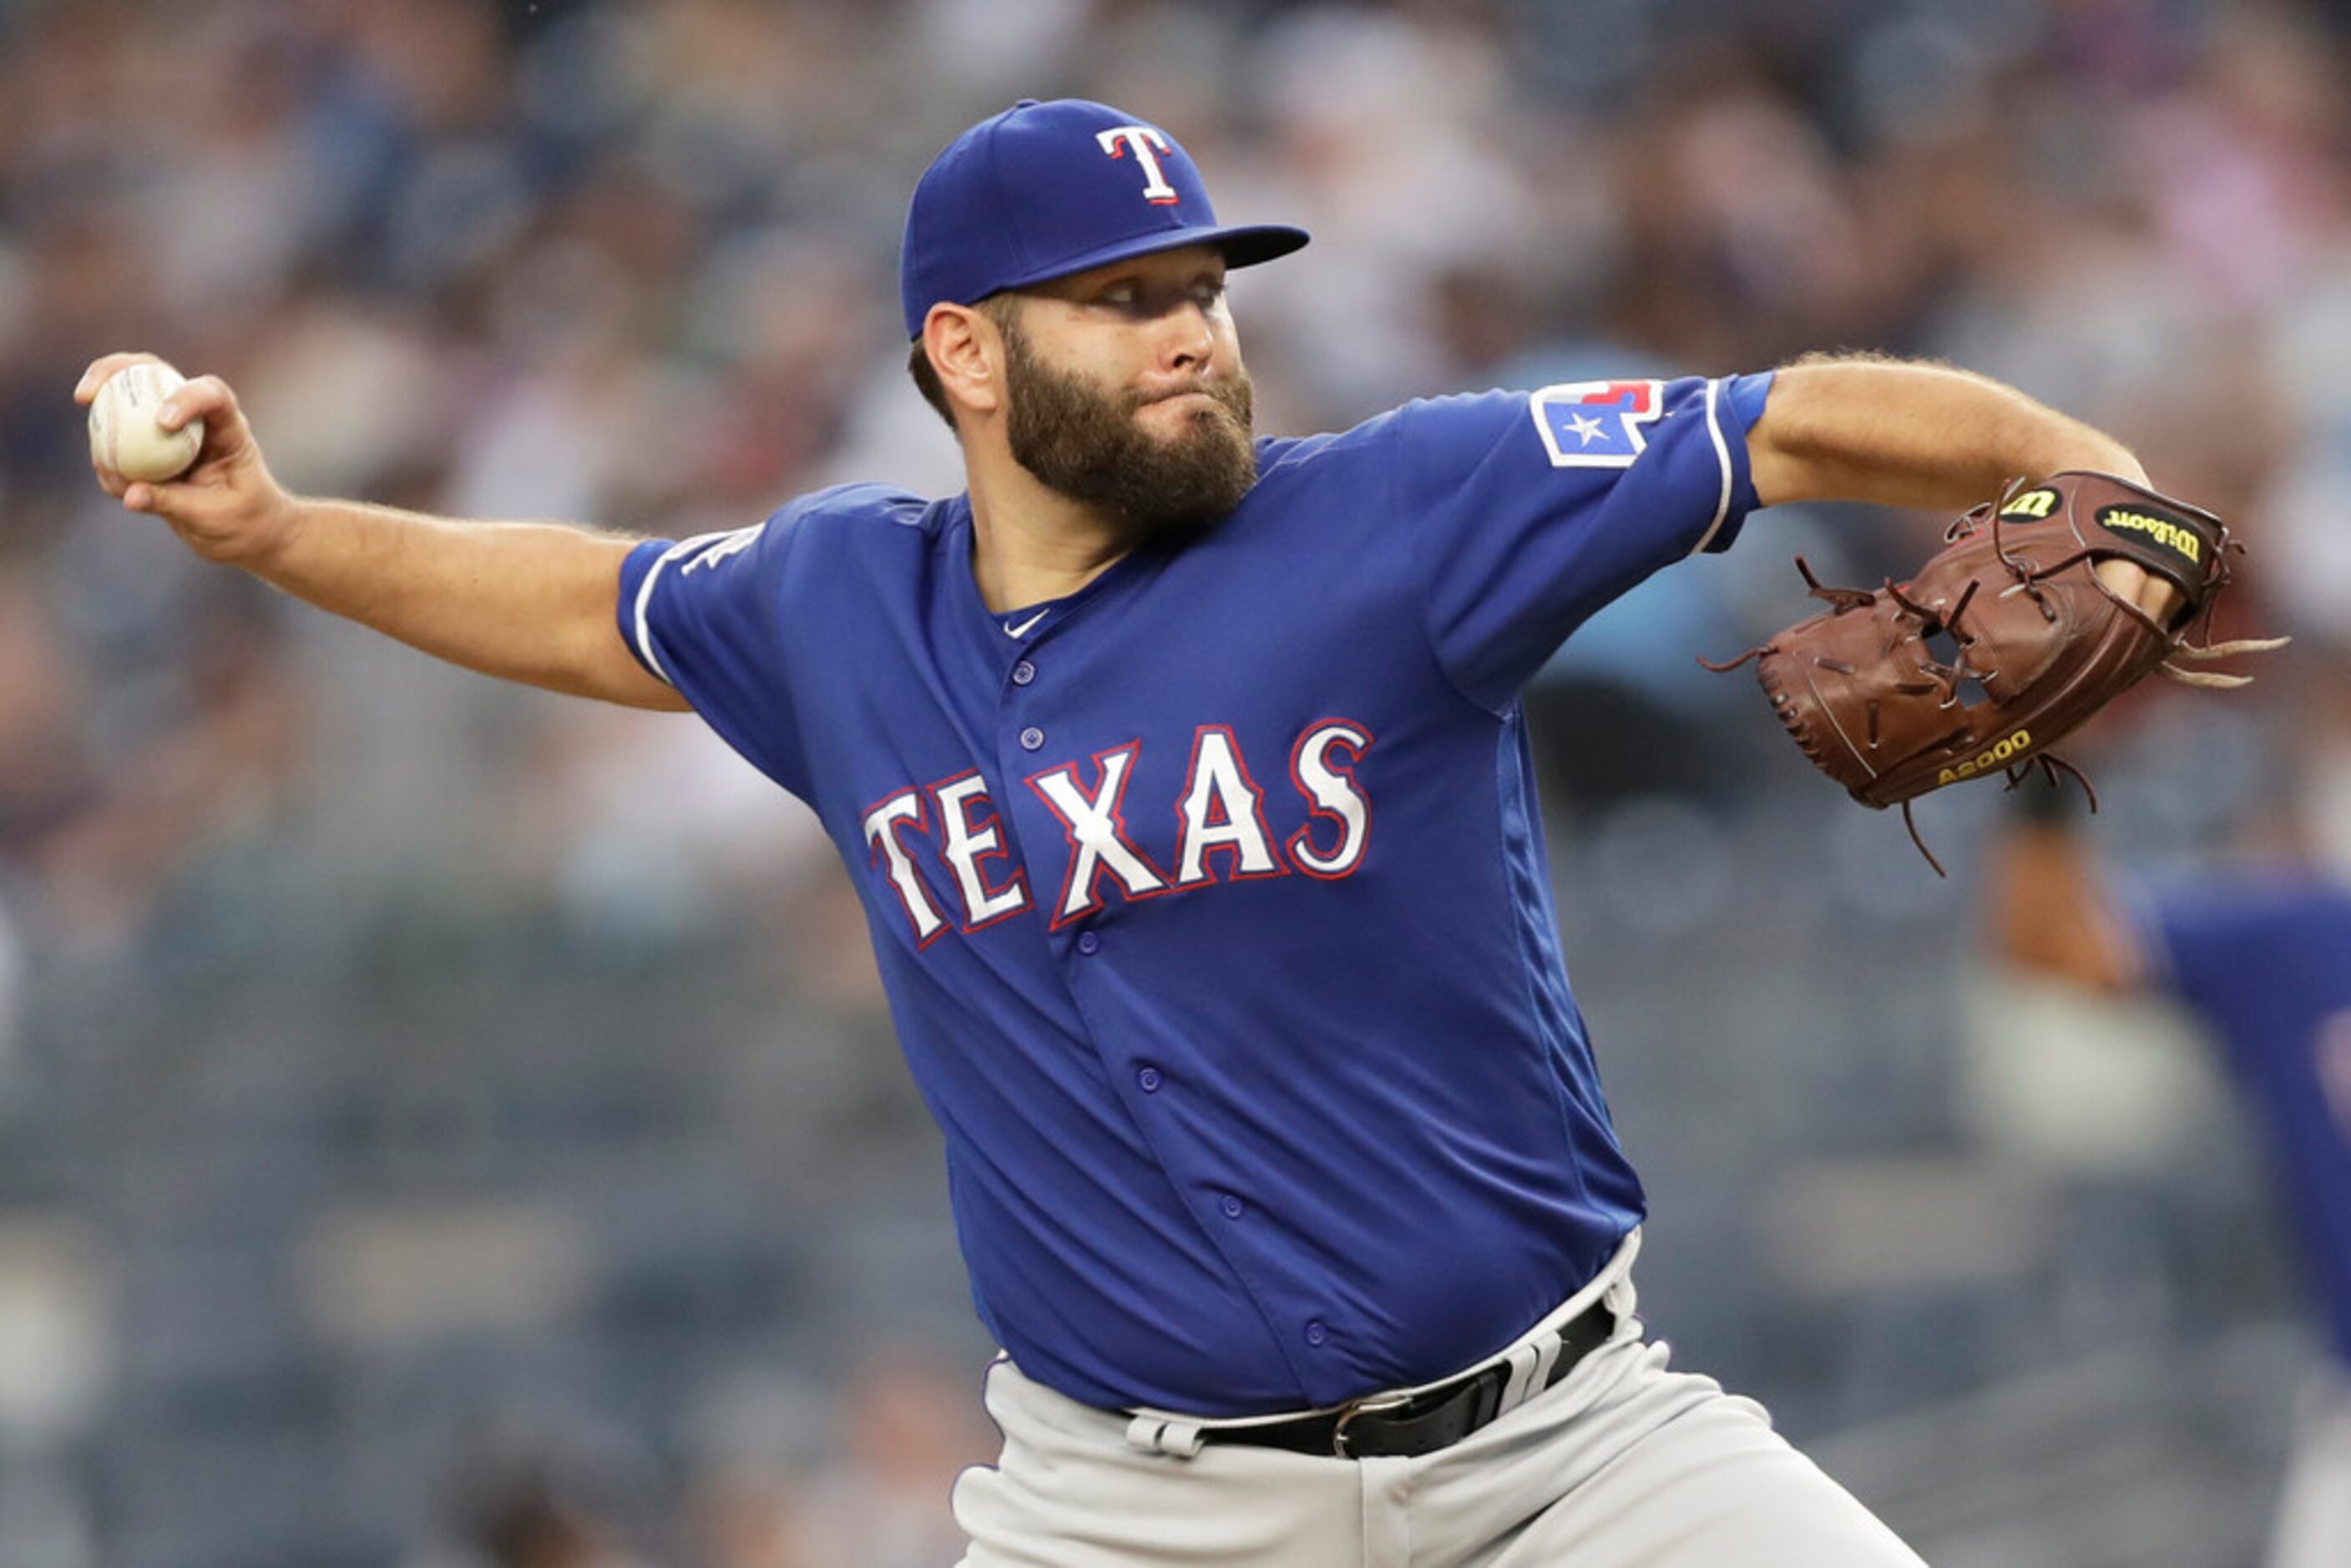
(445, 1124)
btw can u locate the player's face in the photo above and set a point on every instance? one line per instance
(1124, 388)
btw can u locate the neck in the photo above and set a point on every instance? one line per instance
(1030, 543)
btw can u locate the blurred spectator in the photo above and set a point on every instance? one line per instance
(868, 1486)
(530, 1494)
(2260, 954)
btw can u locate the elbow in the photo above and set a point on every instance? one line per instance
(1792, 451)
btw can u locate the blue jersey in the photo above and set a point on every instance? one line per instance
(2266, 959)
(1211, 901)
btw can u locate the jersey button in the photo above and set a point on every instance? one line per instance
(1316, 1333)
(1234, 1207)
(1147, 1080)
(1023, 673)
(1031, 738)
(1089, 944)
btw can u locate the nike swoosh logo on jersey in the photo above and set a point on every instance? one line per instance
(1024, 628)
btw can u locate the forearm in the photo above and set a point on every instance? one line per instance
(524, 602)
(1908, 434)
(2048, 909)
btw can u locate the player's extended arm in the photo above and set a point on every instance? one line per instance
(1901, 434)
(525, 602)
(1908, 434)
(2048, 910)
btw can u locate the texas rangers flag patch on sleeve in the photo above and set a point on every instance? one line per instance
(1596, 424)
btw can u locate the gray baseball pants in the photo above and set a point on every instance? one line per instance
(1623, 1464)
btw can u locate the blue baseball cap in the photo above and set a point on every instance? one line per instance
(1043, 190)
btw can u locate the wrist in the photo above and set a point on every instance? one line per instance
(2099, 455)
(271, 538)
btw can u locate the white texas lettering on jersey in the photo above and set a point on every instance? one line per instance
(1098, 833)
(882, 827)
(1143, 139)
(1222, 809)
(968, 843)
(1332, 786)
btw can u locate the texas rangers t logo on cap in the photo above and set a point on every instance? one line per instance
(1022, 197)
(1142, 139)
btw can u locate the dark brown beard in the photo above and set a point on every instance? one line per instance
(1086, 444)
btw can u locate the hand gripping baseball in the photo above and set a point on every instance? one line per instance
(2002, 644)
(226, 506)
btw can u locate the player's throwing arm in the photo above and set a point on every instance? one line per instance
(525, 602)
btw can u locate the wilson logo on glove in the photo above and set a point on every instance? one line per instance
(2004, 642)
(2168, 532)
(2034, 503)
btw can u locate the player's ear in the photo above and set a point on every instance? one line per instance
(968, 355)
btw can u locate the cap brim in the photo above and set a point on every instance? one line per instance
(1244, 245)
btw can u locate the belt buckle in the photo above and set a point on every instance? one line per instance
(1361, 1407)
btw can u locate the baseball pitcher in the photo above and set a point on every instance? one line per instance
(1184, 777)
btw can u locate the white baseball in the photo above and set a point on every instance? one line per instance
(123, 434)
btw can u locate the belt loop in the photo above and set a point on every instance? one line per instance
(1547, 1356)
(1526, 1368)
(1158, 1435)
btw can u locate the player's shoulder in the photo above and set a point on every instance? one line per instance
(1402, 440)
(1301, 455)
(1478, 417)
(857, 520)
(800, 535)
(1372, 438)
(860, 506)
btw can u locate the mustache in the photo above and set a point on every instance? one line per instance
(1232, 395)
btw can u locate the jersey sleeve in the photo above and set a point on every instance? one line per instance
(705, 615)
(1530, 511)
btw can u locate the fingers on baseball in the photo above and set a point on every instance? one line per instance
(166, 498)
(207, 398)
(210, 399)
(103, 369)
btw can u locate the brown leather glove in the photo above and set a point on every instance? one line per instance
(2002, 644)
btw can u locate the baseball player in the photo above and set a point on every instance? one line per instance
(1184, 777)
(2262, 954)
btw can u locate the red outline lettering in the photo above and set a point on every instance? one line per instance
(1301, 844)
(1214, 801)
(1003, 851)
(921, 822)
(1117, 817)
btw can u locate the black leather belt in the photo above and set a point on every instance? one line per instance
(1432, 1419)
